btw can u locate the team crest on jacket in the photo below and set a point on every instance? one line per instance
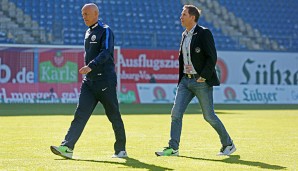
(197, 49)
(93, 37)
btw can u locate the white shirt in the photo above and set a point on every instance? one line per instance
(186, 51)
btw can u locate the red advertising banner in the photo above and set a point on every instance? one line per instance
(60, 65)
(149, 66)
(39, 93)
(129, 93)
(56, 93)
(16, 65)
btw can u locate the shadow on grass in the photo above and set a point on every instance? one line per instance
(129, 162)
(235, 159)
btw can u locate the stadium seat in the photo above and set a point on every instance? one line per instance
(273, 18)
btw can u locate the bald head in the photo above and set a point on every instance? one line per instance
(90, 14)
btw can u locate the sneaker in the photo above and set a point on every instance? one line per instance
(121, 154)
(167, 151)
(62, 151)
(227, 150)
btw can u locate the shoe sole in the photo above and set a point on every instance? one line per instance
(121, 154)
(232, 151)
(120, 157)
(175, 154)
(57, 152)
(157, 154)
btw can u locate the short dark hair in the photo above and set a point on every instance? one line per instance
(194, 11)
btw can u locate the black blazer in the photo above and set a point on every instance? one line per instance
(203, 55)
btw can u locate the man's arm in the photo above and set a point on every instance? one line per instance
(106, 49)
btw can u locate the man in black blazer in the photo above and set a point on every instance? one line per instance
(197, 76)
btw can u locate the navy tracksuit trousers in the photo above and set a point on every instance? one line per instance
(92, 92)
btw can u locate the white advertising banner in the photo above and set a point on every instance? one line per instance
(156, 93)
(258, 68)
(255, 94)
(224, 94)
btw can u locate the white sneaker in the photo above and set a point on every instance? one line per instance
(227, 150)
(62, 151)
(121, 154)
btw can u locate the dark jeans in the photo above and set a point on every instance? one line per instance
(93, 92)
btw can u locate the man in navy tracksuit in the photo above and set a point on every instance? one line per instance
(99, 85)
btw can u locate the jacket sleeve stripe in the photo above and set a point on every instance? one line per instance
(107, 38)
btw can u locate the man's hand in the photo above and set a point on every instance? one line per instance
(84, 70)
(201, 80)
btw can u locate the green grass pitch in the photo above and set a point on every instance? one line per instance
(266, 139)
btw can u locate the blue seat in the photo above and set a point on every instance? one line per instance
(273, 18)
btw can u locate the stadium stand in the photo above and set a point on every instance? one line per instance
(275, 19)
(236, 25)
